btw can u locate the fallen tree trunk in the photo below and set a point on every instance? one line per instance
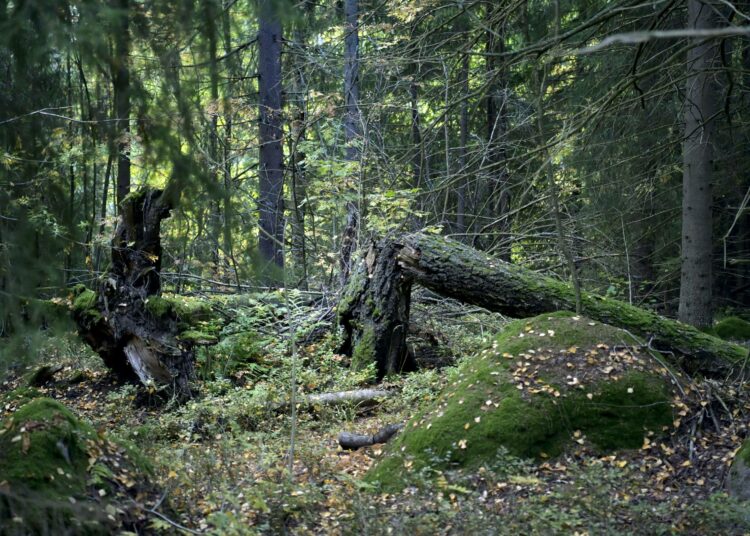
(389, 268)
(134, 340)
(351, 441)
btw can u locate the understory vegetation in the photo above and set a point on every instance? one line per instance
(368, 267)
(558, 425)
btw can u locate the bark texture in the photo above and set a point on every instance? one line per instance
(121, 84)
(701, 98)
(271, 201)
(375, 311)
(352, 130)
(132, 339)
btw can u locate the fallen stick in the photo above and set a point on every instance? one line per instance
(351, 441)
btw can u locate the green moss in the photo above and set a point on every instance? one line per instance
(44, 448)
(192, 310)
(18, 397)
(364, 350)
(47, 451)
(484, 409)
(733, 327)
(744, 453)
(84, 301)
(158, 306)
(84, 305)
(197, 337)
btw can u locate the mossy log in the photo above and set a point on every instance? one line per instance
(374, 309)
(135, 340)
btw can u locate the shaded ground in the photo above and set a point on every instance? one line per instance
(223, 458)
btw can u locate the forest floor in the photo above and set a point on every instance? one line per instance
(223, 458)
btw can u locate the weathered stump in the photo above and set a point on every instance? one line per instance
(132, 339)
(374, 311)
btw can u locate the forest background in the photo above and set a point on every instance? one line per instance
(604, 142)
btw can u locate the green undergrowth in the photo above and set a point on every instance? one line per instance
(543, 385)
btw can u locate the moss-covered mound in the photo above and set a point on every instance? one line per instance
(733, 328)
(55, 469)
(738, 479)
(45, 448)
(545, 384)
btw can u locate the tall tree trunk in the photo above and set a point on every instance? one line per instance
(228, 244)
(121, 86)
(297, 156)
(464, 138)
(497, 131)
(352, 129)
(701, 97)
(214, 168)
(271, 200)
(416, 133)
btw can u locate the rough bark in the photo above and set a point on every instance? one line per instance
(121, 85)
(498, 191)
(352, 130)
(375, 308)
(374, 311)
(117, 323)
(464, 138)
(271, 232)
(701, 98)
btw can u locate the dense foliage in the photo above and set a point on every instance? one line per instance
(499, 123)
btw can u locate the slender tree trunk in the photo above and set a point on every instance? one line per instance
(298, 134)
(228, 244)
(464, 138)
(497, 131)
(121, 85)
(416, 133)
(352, 129)
(214, 168)
(271, 200)
(701, 97)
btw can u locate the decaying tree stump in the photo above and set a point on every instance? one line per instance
(115, 320)
(374, 310)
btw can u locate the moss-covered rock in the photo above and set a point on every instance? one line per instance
(733, 328)
(544, 385)
(59, 470)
